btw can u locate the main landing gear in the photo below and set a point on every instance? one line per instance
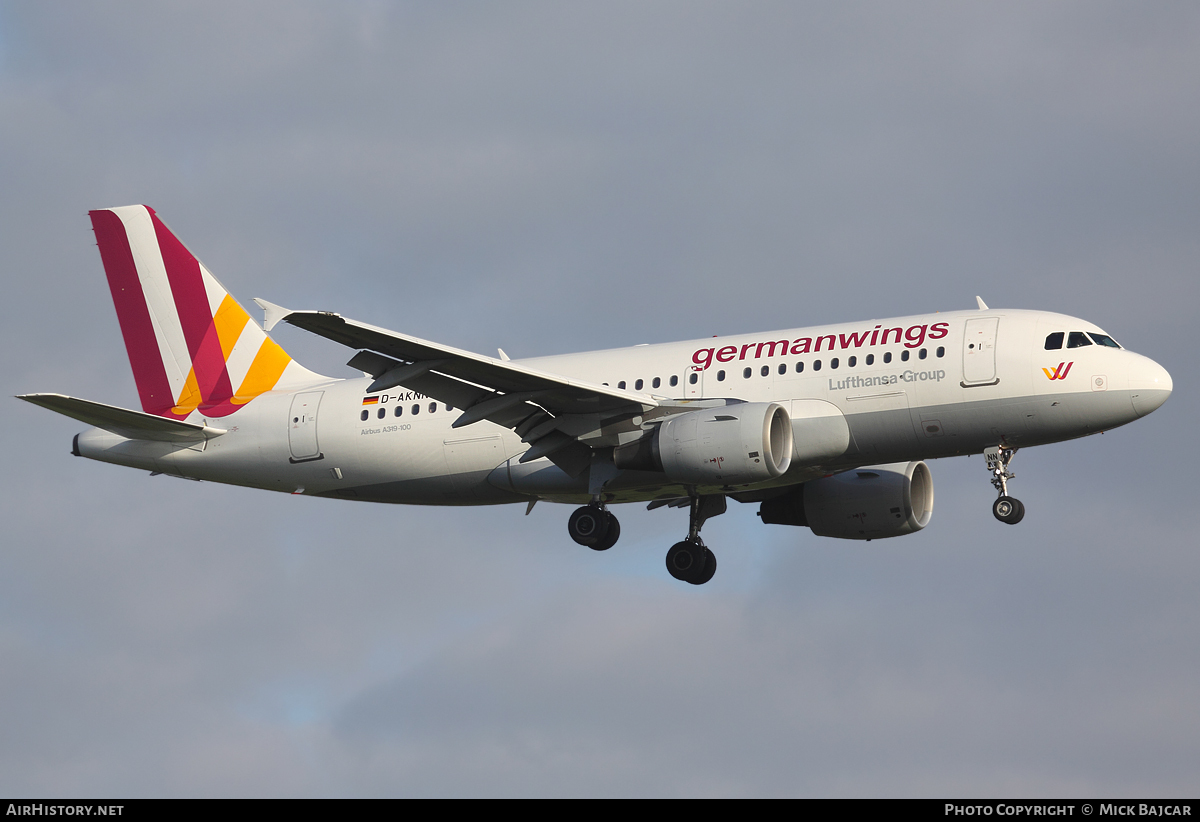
(1008, 510)
(690, 560)
(594, 526)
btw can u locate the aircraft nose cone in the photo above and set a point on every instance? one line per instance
(1149, 385)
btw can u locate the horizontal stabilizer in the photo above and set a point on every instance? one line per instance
(132, 425)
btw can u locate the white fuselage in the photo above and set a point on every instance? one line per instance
(911, 388)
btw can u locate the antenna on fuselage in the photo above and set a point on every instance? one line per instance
(982, 304)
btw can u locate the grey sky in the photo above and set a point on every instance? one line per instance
(550, 177)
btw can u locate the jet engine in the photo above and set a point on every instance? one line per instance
(731, 445)
(866, 503)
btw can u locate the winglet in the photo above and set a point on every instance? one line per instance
(978, 299)
(272, 314)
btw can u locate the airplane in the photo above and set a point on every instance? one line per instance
(826, 427)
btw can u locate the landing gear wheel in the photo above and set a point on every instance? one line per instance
(1020, 511)
(589, 525)
(690, 561)
(684, 557)
(710, 568)
(1008, 510)
(610, 539)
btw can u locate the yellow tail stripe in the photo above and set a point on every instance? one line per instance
(189, 397)
(264, 372)
(231, 318)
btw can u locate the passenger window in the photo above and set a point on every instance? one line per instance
(1078, 340)
(746, 373)
(657, 382)
(399, 411)
(693, 377)
(1103, 339)
(416, 409)
(674, 380)
(621, 385)
(637, 386)
(816, 365)
(887, 357)
(1054, 341)
(432, 407)
(766, 369)
(941, 352)
(449, 407)
(922, 354)
(363, 416)
(853, 361)
(720, 376)
(783, 368)
(870, 359)
(904, 355)
(799, 368)
(833, 363)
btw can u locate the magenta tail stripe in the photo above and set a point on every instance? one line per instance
(195, 316)
(154, 388)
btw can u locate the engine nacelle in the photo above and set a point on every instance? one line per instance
(874, 502)
(732, 445)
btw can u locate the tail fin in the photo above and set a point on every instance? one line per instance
(190, 344)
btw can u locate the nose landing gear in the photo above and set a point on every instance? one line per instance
(1008, 510)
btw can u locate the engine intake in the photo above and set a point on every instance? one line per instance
(732, 445)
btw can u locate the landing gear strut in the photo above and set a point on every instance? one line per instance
(1008, 510)
(690, 560)
(594, 526)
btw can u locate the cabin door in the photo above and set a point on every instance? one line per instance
(979, 351)
(302, 426)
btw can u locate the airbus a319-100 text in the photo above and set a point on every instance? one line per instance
(823, 427)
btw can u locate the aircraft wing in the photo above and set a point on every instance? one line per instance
(539, 405)
(133, 425)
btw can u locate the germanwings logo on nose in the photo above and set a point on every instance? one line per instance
(1059, 373)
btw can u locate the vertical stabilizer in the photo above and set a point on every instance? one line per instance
(192, 347)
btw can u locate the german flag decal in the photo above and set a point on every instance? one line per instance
(371, 400)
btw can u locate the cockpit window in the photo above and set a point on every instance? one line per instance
(1103, 339)
(1078, 340)
(1055, 341)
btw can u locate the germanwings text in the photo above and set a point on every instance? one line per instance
(912, 337)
